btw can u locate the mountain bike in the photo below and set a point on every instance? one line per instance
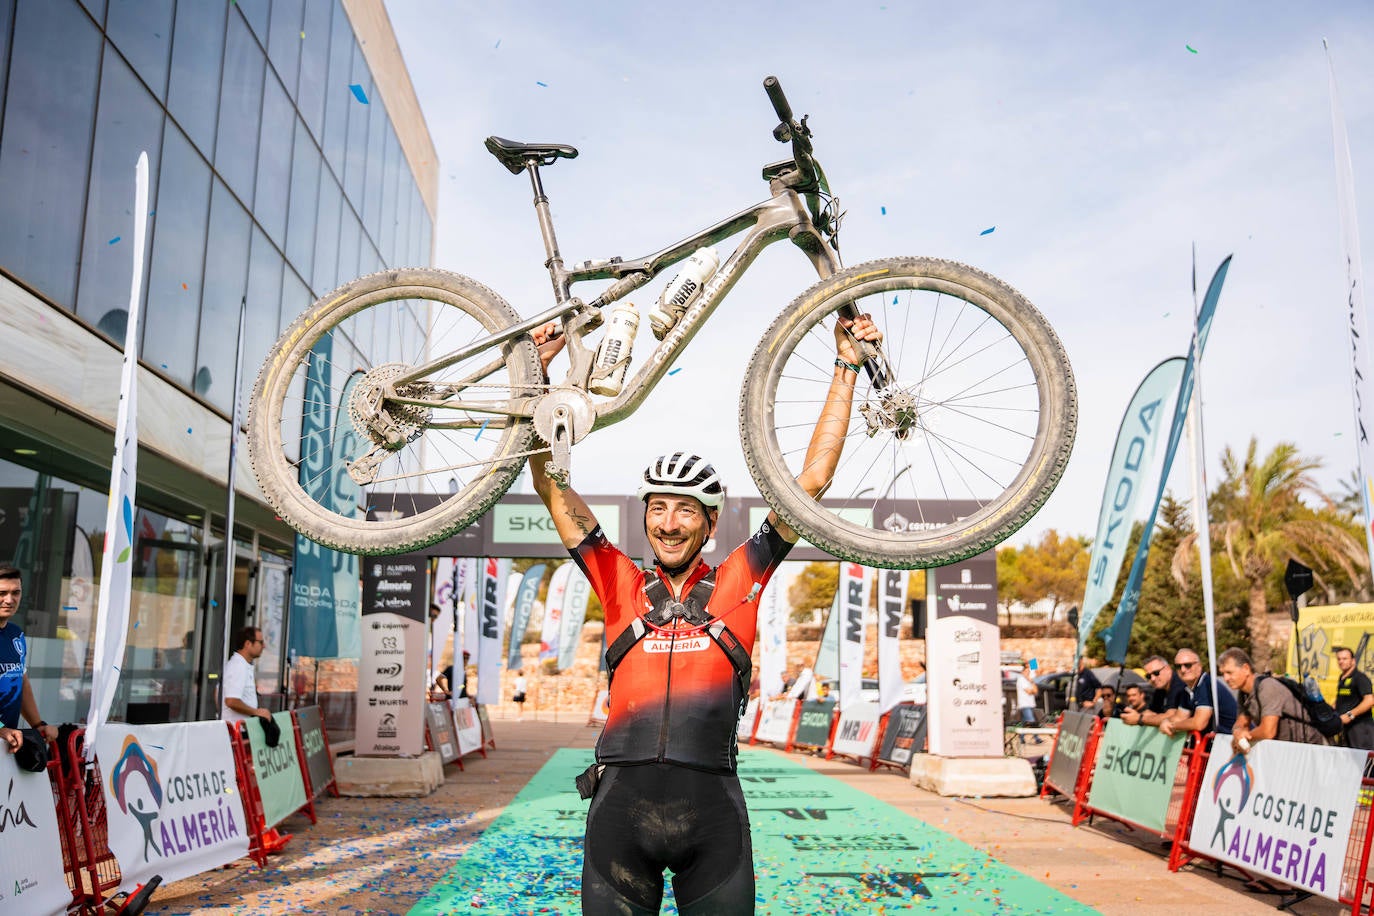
(402, 405)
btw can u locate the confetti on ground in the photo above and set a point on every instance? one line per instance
(358, 93)
(116, 239)
(988, 230)
(1191, 48)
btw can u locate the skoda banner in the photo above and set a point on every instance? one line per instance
(1134, 775)
(391, 671)
(813, 728)
(278, 769)
(965, 702)
(1283, 811)
(318, 763)
(1067, 759)
(30, 846)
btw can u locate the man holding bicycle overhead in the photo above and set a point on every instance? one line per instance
(664, 790)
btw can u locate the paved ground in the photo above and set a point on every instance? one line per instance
(381, 855)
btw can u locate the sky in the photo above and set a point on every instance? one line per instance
(1099, 146)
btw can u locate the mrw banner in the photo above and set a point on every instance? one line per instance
(1282, 811)
(1134, 777)
(853, 598)
(172, 798)
(892, 585)
(491, 601)
(30, 846)
(1132, 458)
(278, 770)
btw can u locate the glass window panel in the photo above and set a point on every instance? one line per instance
(390, 178)
(128, 122)
(295, 297)
(339, 98)
(142, 31)
(378, 128)
(350, 234)
(226, 280)
(197, 51)
(256, 12)
(404, 197)
(284, 42)
(315, 64)
(355, 153)
(305, 196)
(426, 250)
(6, 20)
(327, 235)
(240, 110)
(274, 161)
(264, 306)
(178, 239)
(46, 143)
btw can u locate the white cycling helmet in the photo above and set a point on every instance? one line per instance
(680, 474)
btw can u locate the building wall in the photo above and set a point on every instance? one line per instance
(271, 182)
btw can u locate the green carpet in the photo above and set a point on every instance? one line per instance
(820, 846)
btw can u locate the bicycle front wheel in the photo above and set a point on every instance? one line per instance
(359, 463)
(960, 449)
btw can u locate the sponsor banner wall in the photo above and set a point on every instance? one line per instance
(317, 761)
(1283, 811)
(1134, 775)
(857, 732)
(491, 600)
(813, 728)
(278, 770)
(892, 585)
(391, 671)
(441, 731)
(30, 847)
(964, 687)
(172, 799)
(775, 721)
(905, 735)
(468, 726)
(853, 604)
(1067, 759)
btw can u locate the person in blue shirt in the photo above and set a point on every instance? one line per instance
(16, 695)
(1201, 712)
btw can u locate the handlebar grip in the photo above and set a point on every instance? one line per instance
(775, 95)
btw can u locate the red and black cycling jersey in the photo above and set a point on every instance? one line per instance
(677, 699)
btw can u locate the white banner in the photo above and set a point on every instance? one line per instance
(442, 629)
(857, 732)
(892, 585)
(491, 602)
(174, 805)
(775, 722)
(30, 846)
(553, 613)
(853, 598)
(575, 598)
(467, 725)
(1283, 813)
(116, 565)
(601, 709)
(745, 730)
(772, 638)
(965, 688)
(464, 595)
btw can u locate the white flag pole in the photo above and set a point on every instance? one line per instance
(116, 567)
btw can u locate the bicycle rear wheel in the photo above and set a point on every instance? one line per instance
(321, 403)
(985, 386)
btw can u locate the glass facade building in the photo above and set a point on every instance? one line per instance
(286, 156)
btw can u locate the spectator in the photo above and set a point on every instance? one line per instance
(1106, 706)
(16, 694)
(1025, 697)
(1086, 684)
(521, 685)
(1135, 704)
(1267, 709)
(445, 680)
(1199, 712)
(1169, 695)
(240, 689)
(1354, 700)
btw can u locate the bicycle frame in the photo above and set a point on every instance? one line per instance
(782, 215)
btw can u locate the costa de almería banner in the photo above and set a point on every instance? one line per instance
(172, 799)
(278, 769)
(1134, 776)
(30, 849)
(1283, 811)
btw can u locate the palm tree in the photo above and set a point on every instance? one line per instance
(1262, 515)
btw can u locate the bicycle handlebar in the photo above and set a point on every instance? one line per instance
(774, 90)
(800, 134)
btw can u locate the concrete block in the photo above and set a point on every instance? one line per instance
(967, 777)
(389, 777)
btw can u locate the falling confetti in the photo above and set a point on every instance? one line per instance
(481, 430)
(116, 239)
(884, 209)
(184, 286)
(358, 93)
(988, 230)
(1191, 48)
(675, 371)
(497, 45)
(188, 430)
(541, 83)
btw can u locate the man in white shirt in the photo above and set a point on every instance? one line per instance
(239, 689)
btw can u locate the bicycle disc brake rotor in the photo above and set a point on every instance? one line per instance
(389, 425)
(895, 411)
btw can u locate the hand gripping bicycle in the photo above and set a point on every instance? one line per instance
(402, 405)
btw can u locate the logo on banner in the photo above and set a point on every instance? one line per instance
(137, 788)
(386, 726)
(13, 817)
(391, 670)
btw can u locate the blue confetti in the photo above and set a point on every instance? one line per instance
(884, 209)
(69, 607)
(497, 45)
(158, 746)
(894, 300)
(675, 371)
(987, 231)
(358, 93)
(481, 430)
(116, 239)
(188, 430)
(540, 83)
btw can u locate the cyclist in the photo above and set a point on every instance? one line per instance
(668, 796)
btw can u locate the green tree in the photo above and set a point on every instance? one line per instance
(813, 589)
(1010, 581)
(1260, 517)
(1053, 569)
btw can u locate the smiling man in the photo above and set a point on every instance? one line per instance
(16, 693)
(664, 790)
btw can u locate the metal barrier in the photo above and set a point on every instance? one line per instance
(262, 840)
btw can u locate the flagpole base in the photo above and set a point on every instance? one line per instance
(389, 777)
(970, 777)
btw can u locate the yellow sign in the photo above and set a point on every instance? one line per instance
(1317, 634)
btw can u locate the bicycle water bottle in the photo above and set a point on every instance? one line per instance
(613, 356)
(683, 291)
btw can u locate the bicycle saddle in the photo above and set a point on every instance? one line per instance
(514, 155)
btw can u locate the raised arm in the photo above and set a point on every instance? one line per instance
(827, 439)
(572, 519)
